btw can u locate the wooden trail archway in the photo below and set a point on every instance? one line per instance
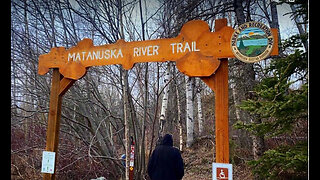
(196, 51)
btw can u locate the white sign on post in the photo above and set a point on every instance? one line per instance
(48, 159)
(221, 171)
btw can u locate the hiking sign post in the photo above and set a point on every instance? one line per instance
(131, 162)
(196, 51)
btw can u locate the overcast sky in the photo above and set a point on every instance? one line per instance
(287, 26)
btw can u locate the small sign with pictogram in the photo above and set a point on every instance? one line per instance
(131, 163)
(221, 171)
(48, 160)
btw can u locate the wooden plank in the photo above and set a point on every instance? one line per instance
(195, 43)
(219, 84)
(220, 23)
(275, 49)
(194, 50)
(222, 113)
(53, 119)
(209, 81)
(65, 84)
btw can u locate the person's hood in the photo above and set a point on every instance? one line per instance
(167, 140)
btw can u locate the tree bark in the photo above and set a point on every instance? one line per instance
(244, 81)
(238, 8)
(164, 106)
(179, 112)
(189, 111)
(141, 169)
(200, 116)
(126, 119)
(274, 17)
(125, 88)
(299, 26)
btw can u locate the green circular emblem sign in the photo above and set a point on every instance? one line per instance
(252, 42)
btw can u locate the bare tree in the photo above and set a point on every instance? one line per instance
(162, 119)
(199, 106)
(189, 111)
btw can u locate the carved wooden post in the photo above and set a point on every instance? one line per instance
(53, 118)
(219, 84)
(58, 89)
(222, 113)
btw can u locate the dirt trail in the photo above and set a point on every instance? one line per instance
(198, 162)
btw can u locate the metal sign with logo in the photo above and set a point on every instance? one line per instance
(221, 171)
(252, 42)
(48, 162)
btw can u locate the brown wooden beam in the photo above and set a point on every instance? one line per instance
(53, 119)
(65, 84)
(218, 82)
(59, 86)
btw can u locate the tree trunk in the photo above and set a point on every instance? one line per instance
(244, 81)
(27, 39)
(238, 8)
(274, 17)
(258, 144)
(189, 111)
(179, 113)
(142, 165)
(299, 26)
(164, 106)
(200, 116)
(145, 104)
(125, 97)
(126, 119)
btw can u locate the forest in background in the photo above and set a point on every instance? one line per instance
(268, 100)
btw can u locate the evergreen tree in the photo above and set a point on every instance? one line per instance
(281, 107)
(281, 102)
(241, 45)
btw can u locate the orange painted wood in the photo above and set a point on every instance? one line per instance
(275, 49)
(219, 84)
(220, 23)
(72, 62)
(53, 119)
(193, 50)
(59, 86)
(222, 113)
(65, 84)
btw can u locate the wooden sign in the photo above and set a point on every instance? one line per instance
(195, 50)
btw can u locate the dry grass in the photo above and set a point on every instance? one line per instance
(198, 162)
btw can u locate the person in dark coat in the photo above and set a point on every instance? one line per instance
(166, 162)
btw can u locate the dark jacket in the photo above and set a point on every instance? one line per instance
(166, 162)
